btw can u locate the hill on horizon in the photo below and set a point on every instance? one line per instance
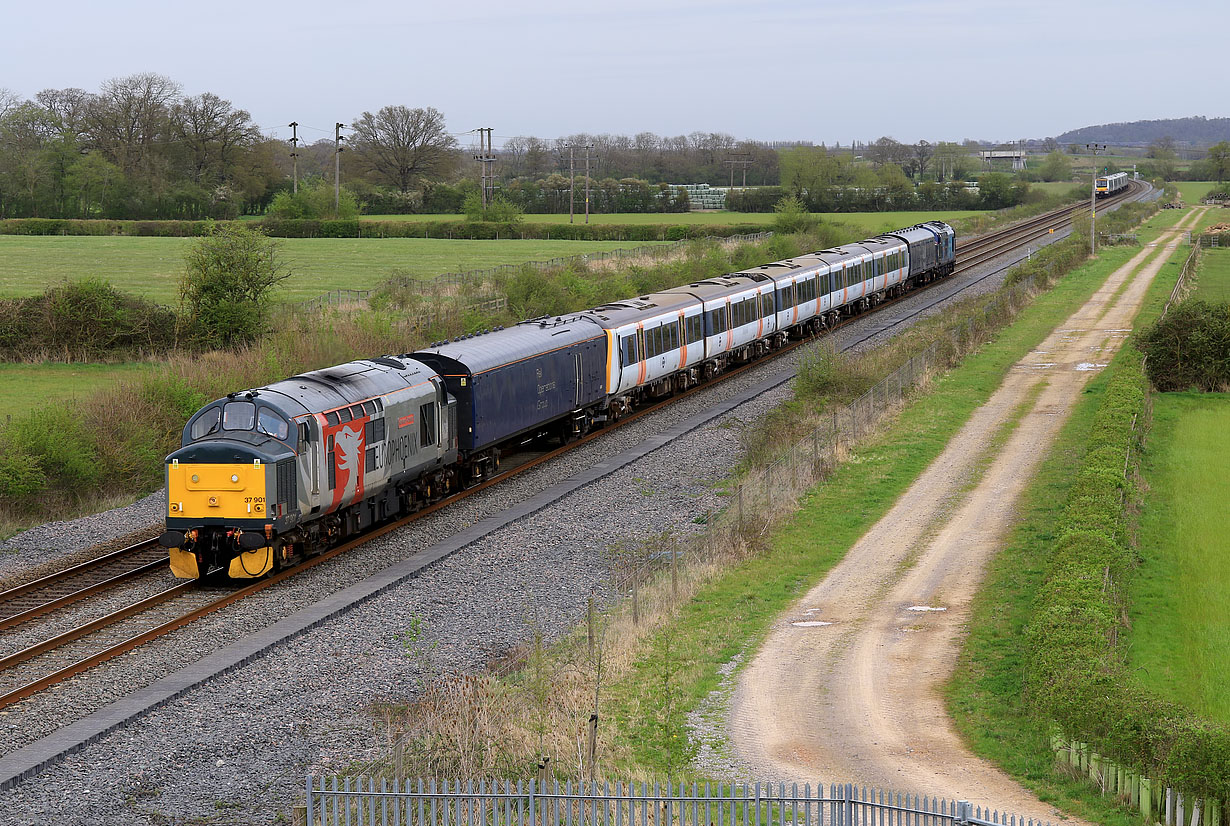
(1196, 130)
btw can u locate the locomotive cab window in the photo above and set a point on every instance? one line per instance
(238, 415)
(206, 423)
(272, 424)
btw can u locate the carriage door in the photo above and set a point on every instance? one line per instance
(576, 396)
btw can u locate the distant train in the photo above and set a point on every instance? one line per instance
(1108, 185)
(269, 476)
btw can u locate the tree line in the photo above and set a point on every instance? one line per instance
(140, 148)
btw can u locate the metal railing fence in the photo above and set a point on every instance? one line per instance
(362, 801)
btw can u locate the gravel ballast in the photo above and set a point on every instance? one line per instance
(247, 738)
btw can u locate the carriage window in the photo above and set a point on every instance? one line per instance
(271, 424)
(238, 415)
(695, 326)
(766, 305)
(627, 349)
(206, 423)
(427, 424)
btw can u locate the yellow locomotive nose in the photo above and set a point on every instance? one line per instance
(216, 491)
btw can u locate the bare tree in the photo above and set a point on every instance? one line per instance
(402, 145)
(211, 130)
(9, 100)
(886, 150)
(70, 107)
(129, 116)
(923, 152)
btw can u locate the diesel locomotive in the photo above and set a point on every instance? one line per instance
(268, 476)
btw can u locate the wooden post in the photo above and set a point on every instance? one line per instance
(398, 755)
(740, 506)
(675, 573)
(589, 624)
(593, 745)
(298, 815)
(636, 616)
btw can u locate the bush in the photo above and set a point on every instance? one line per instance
(83, 320)
(314, 200)
(1189, 347)
(792, 216)
(228, 284)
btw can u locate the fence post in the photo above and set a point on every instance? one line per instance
(310, 814)
(636, 616)
(589, 623)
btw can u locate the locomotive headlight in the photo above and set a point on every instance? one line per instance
(234, 477)
(196, 478)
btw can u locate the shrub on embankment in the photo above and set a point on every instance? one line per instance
(81, 321)
(1076, 675)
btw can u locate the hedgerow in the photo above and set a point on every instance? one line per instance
(1076, 674)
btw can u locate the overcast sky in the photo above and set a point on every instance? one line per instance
(760, 69)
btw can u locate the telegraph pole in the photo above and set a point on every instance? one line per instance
(588, 147)
(294, 153)
(337, 168)
(1095, 148)
(572, 180)
(486, 157)
(742, 159)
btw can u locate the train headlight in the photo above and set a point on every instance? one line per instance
(195, 478)
(234, 477)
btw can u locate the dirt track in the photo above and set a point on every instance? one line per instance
(859, 700)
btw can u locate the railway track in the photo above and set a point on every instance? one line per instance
(52, 657)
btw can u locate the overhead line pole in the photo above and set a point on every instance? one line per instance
(337, 168)
(294, 154)
(588, 147)
(1093, 198)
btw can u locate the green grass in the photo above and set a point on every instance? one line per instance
(1193, 192)
(874, 222)
(152, 266)
(986, 693)
(1213, 277)
(24, 387)
(1180, 636)
(734, 613)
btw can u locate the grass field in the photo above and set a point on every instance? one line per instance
(1213, 277)
(152, 266)
(20, 384)
(1193, 192)
(1180, 614)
